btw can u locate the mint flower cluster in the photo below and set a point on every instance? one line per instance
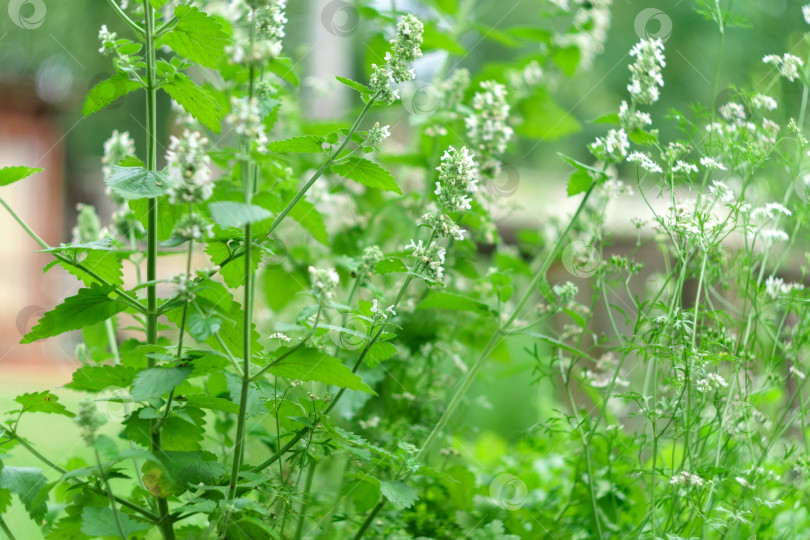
(268, 19)
(488, 129)
(189, 169)
(405, 49)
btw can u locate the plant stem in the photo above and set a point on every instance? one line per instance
(110, 495)
(6, 530)
(165, 523)
(132, 24)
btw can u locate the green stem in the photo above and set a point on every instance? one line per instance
(165, 523)
(132, 24)
(110, 495)
(6, 530)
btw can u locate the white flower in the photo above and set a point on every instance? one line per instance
(488, 127)
(631, 120)
(806, 13)
(776, 287)
(429, 259)
(761, 101)
(247, 121)
(116, 148)
(107, 39)
(711, 163)
(684, 167)
(732, 112)
(787, 64)
(685, 478)
(612, 148)
(722, 191)
(324, 282)
(377, 134)
(189, 169)
(645, 73)
(645, 162)
(712, 381)
(281, 336)
(458, 179)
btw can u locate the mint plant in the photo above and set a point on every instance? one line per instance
(282, 320)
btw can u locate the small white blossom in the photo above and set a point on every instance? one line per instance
(645, 162)
(116, 148)
(189, 169)
(612, 148)
(776, 287)
(458, 179)
(281, 336)
(806, 13)
(247, 121)
(488, 127)
(787, 64)
(761, 101)
(645, 73)
(712, 381)
(722, 191)
(324, 282)
(684, 167)
(685, 478)
(711, 163)
(429, 259)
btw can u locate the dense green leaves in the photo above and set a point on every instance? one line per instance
(88, 307)
(367, 173)
(9, 175)
(138, 183)
(197, 36)
(196, 101)
(308, 364)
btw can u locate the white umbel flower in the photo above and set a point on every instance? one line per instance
(787, 64)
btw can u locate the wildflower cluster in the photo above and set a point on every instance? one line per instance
(405, 49)
(324, 283)
(429, 259)
(269, 20)
(246, 120)
(645, 73)
(189, 169)
(787, 64)
(116, 148)
(488, 128)
(365, 265)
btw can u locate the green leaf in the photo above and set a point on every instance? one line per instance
(201, 327)
(455, 302)
(308, 364)
(579, 182)
(567, 59)
(88, 307)
(181, 469)
(236, 214)
(643, 138)
(107, 92)
(390, 265)
(168, 215)
(157, 4)
(9, 175)
(96, 378)
(283, 67)
(177, 433)
(103, 262)
(544, 119)
(308, 144)
(380, 351)
(611, 118)
(43, 402)
(438, 38)
(204, 401)
(99, 522)
(367, 173)
(196, 101)
(154, 382)
(197, 36)
(137, 183)
(354, 85)
(26, 483)
(400, 494)
(305, 213)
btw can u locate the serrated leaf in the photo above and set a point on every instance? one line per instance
(579, 182)
(308, 364)
(107, 92)
(177, 433)
(96, 378)
(236, 214)
(454, 302)
(354, 85)
(400, 494)
(197, 36)
(104, 263)
(390, 265)
(154, 382)
(26, 483)
(204, 401)
(202, 327)
(379, 352)
(43, 402)
(9, 175)
(100, 522)
(196, 101)
(88, 307)
(308, 144)
(367, 173)
(133, 183)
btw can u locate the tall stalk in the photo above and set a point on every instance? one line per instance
(151, 234)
